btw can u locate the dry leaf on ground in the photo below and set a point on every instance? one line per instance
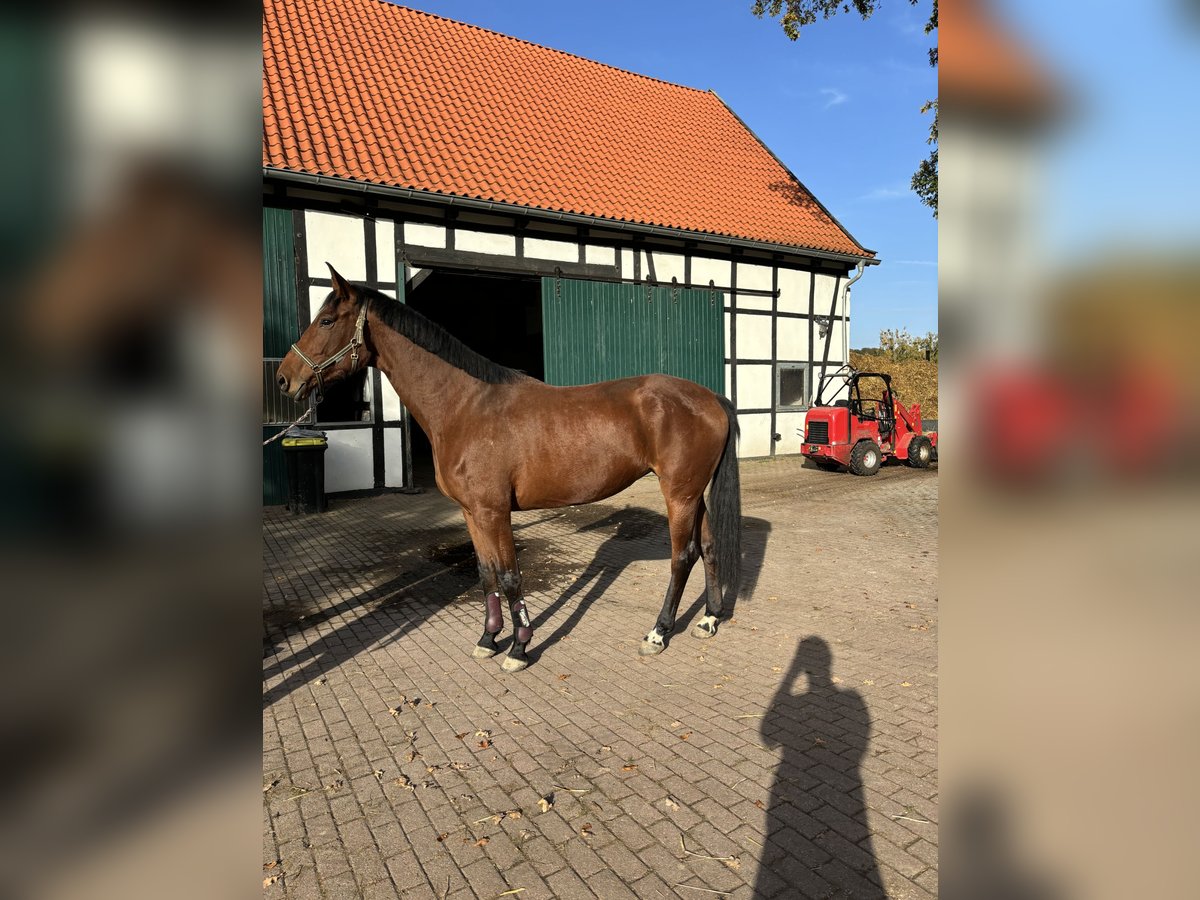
(545, 803)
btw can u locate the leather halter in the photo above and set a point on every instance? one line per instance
(352, 348)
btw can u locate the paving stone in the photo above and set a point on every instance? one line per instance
(802, 787)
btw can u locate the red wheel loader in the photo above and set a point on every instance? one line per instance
(865, 427)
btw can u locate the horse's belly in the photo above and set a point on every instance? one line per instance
(547, 485)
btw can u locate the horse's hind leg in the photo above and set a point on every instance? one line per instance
(491, 532)
(685, 550)
(714, 605)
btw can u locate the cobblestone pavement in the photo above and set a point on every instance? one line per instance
(793, 755)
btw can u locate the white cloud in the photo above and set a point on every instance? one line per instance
(885, 193)
(835, 97)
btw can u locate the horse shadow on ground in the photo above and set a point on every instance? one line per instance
(639, 535)
(387, 612)
(818, 837)
(441, 571)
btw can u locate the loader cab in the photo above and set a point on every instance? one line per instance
(871, 403)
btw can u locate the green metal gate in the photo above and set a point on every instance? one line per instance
(596, 330)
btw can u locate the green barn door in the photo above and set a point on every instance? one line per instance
(596, 331)
(280, 329)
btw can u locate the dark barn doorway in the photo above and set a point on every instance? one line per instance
(497, 316)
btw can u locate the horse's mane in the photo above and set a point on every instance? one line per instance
(427, 335)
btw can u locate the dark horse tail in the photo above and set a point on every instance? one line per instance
(725, 511)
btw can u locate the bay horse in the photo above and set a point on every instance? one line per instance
(503, 441)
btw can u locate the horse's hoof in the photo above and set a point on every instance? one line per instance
(479, 652)
(705, 628)
(513, 665)
(650, 648)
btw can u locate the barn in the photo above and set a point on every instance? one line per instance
(561, 216)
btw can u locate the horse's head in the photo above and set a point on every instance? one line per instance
(331, 348)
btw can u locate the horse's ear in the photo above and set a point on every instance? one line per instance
(341, 287)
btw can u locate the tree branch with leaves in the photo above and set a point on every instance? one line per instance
(796, 14)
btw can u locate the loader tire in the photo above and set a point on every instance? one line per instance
(920, 452)
(865, 458)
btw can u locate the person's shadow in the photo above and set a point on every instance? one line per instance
(818, 839)
(983, 859)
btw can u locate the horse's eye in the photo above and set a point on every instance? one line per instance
(325, 323)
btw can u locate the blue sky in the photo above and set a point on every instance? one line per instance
(840, 107)
(1121, 173)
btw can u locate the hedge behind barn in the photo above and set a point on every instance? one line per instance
(915, 380)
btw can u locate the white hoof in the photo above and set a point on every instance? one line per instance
(652, 645)
(482, 652)
(513, 665)
(705, 628)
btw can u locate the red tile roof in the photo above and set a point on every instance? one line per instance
(983, 68)
(365, 90)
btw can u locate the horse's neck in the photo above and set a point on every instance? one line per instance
(431, 388)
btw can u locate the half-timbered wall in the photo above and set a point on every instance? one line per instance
(777, 309)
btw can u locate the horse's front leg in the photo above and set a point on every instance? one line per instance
(489, 578)
(491, 532)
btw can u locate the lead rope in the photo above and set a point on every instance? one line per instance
(307, 413)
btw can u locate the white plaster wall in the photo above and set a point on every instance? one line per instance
(753, 301)
(786, 425)
(423, 235)
(793, 291)
(626, 262)
(753, 338)
(754, 276)
(349, 464)
(393, 457)
(756, 434)
(791, 342)
(316, 299)
(824, 294)
(836, 350)
(390, 402)
(485, 242)
(705, 270)
(338, 240)
(728, 382)
(385, 250)
(754, 386)
(541, 248)
(600, 256)
(665, 265)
